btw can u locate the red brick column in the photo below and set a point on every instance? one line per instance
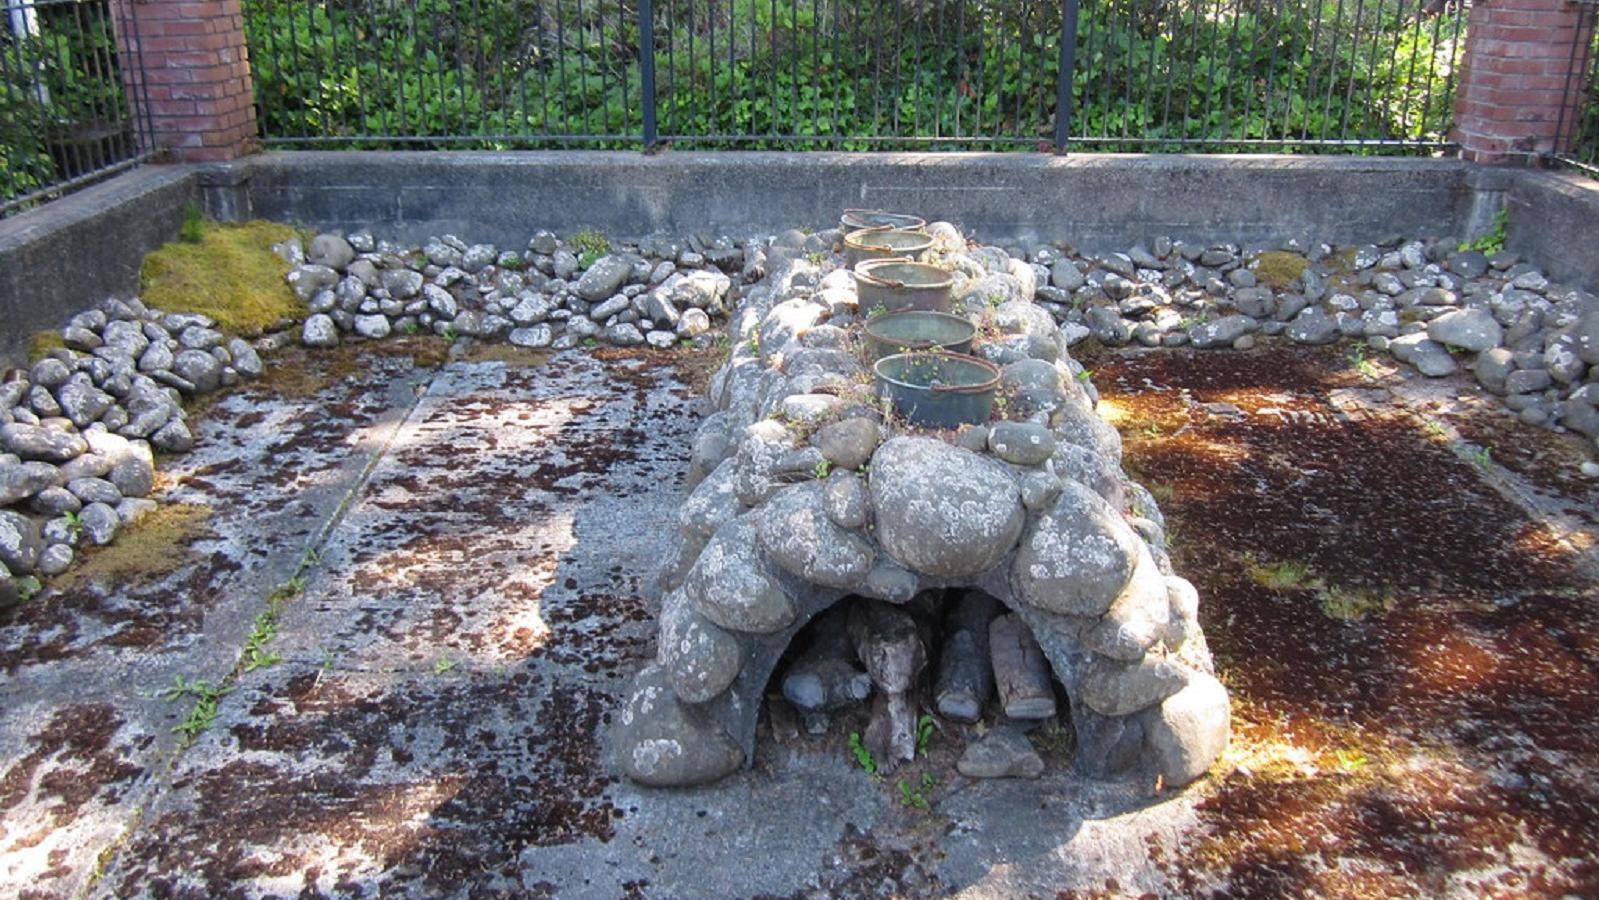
(1518, 71)
(189, 71)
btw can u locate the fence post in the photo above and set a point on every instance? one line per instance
(646, 52)
(1525, 62)
(192, 84)
(1063, 77)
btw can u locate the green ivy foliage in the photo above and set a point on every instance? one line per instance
(56, 82)
(851, 75)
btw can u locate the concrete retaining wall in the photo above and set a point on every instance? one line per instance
(1093, 201)
(76, 251)
(71, 253)
(1554, 221)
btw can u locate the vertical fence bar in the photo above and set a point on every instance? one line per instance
(646, 64)
(1063, 76)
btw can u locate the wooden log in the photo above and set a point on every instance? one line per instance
(890, 643)
(965, 673)
(891, 730)
(825, 677)
(1020, 672)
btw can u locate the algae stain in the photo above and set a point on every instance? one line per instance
(40, 343)
(230, 274)
(153, 546)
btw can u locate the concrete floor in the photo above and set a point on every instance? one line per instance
(444, 569)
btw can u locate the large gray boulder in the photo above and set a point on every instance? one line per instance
(20, 542)
(730, 585)
(604, 278)
(942, 510)
(1077, 558)
(1472, 329)
(19, 481)
(799, 536)
(700, 658)
(664, 743)
(43, 444)
(1187, 732)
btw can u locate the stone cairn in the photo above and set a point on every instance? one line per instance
(805, 495)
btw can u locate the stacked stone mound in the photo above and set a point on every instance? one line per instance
(802, 497)
(555, 295)
(78, 429)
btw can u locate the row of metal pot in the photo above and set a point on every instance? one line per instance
(919, 349)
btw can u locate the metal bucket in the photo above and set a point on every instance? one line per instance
(882, 243)
(918, 330)
(938, 390)
(856, 219)
(897, 284)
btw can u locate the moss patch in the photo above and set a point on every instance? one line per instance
(510, 354)
(154, 546)
(40, 343)
(1279, 268)
(231, 275)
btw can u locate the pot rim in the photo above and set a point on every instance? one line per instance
(981, 387)
(862, 273)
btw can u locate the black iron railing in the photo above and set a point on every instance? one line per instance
(65, 117)
(1577, 136)
(1298, 75)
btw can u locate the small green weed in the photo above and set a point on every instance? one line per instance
(410, 328)
(924, 734)
(1493, 240)
(863, 756)
(256, 654)
(27, 587)
(203, 713)
(1085, 376)
(450, 334)
(823, 468)
(590, 342)
(589, 246)
(1357, 358)
(916, 796)
(1482, 457)
(443, 665)
(192, 231)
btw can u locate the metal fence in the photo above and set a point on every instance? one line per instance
(1296, 75)
(1577, 135)
(65, 119)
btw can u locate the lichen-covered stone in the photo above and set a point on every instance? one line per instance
(1076, 558)
(20, 542)
(1120, 689)
(701, 659)
(762, 449)
(1187, 732)
(1022, 443)
(663, 743)
(799, 536)
(729, 583)
(890, 582)
(844, 499)
(1139, 616)
(713, 502)
(848, 443)
(942, 510)
(36, 442)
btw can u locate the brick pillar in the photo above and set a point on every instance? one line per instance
(188, 72)
(1524, 60)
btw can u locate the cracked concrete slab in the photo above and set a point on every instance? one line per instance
(435, 715)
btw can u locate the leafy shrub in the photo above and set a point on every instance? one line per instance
(760, 73)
